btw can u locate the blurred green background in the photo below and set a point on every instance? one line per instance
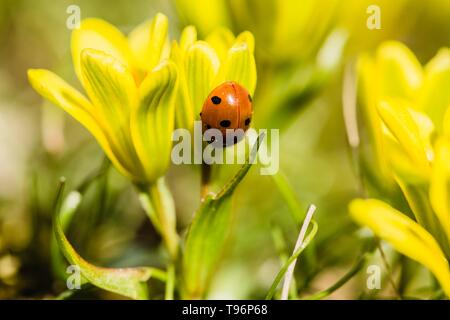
(300, 75)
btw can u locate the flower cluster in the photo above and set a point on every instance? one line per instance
(302, 47)
(137, 85)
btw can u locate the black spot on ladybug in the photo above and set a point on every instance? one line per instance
(208, 126)
(216, 100)
(200, 114)
(247, 121)
(250, 98)
(225, 123)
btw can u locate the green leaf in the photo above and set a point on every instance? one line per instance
(129, 282)
(208, 233)
(289, 196)
(67, 211)
(294, 256)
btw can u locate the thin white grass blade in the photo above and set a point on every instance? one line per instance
(301, 237)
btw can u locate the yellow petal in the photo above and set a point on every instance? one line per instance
(100, 35)
(367, 104)
(397, 117)
(152, 122)
(221, 40)
(149, 42)
(434, 97)
(57, 91)
(439, 186)
(188, 37)
(113, 92)
(184, 113)
(400, 73)
(405, 235)
(401, 161)
(239, 66)
(248, 38)
(202, 65)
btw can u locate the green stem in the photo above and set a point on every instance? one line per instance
(160, 275)
(170, 283)
(157, 202)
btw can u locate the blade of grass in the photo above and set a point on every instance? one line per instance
(349, 275)
(301, 236)
(368, 248)
(296, 254)
(280, 246)
(288, 195)
(298, 214)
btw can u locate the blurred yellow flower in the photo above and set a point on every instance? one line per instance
(283, 26)
(131, 88)
(298, 48)
(405, 108)
(405, 235)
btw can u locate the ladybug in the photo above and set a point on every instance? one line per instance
(228, 106)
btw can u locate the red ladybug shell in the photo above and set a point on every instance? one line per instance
(228, 106)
